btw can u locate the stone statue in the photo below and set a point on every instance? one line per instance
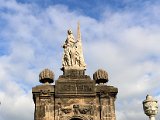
(77, 58)
(70, 39)
(73, 55)
(66, 57)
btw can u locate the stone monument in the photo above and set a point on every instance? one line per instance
(75, 96)
(150, 107)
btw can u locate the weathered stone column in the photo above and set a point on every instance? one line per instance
(106, 96)
(43, 96)
(150, 107)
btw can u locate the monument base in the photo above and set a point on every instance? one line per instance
(73, 72)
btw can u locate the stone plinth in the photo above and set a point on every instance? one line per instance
(43, 96)
(74, 96)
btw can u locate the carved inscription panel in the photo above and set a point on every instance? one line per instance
(75, 88)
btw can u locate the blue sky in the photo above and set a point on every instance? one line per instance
(94, 8)
(120, 36)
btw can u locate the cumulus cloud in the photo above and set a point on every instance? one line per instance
(125, 43)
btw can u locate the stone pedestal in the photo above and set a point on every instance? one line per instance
(43, 96)
(106, 96)
(74, 97)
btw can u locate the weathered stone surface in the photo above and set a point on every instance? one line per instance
(75, 96)
(75, 86)
(46, 76)
(43, 96)
(100, 76)
(106, 89)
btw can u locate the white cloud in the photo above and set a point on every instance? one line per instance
(123, 43)
(17, 107)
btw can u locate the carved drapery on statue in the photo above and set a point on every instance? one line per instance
(73, 55)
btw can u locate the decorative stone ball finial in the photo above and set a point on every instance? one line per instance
(100, 76)
(46, 76)
(150, 107)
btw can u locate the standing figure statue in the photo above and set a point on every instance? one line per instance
(73, 55)
(69, 49)
(66, 57)
(70, 39)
